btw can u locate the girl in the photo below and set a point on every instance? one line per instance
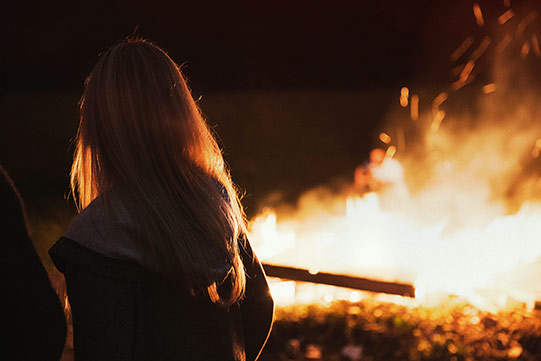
(157, 263)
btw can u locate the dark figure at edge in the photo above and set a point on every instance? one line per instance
(33, 322)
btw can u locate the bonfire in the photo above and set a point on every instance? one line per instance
(448, 204)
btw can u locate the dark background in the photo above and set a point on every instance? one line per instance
(230, 44)
(296, 90)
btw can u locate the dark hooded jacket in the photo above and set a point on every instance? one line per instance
(33, 319)
(123, 308)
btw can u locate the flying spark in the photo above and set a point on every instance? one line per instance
(503, 18)
(489, 88)
(525, 22)
(385, 138)
(414, 108)
(525, 50)
(504, 43)
(404, 96)
(480, 49)
(438, 101)
(466, 72)
(437, 121)
(466, 44)
(535, 45)
(391, 151)
(478, 14)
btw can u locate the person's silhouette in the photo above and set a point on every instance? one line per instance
(33, 319)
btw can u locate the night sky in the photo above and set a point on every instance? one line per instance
(239, 44)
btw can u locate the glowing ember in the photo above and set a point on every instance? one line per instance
(480, 50)
(437, 102)
(467, 70)
(462, 48)
(503, 18)
(525, 50)
(478, 14)
(385, 138)
(404, 97)
(414, 108)
(391, 151)
(531, 17)
(504, 43)
(488, 88)
(437, 120)
(535, 45)
(464, 77)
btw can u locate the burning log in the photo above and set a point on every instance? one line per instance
(358, 283)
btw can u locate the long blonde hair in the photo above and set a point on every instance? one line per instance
(142, 134)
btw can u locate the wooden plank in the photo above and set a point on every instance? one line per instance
(358, 283)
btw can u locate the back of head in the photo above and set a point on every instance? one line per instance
(142, 135)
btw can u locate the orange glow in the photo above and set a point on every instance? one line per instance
(489, 88)
(439, 217)
(464, 76)
(385, 138)
(535, 45)
(507, 3)
(437, 121)
(438, 101)
(525, 50)
(467, 70)
(457, 70)
(536, 148)
(414, 109)
(404, 97)
(457, 85)
(478, 14)
(447, 238)
(525, 22)
(503, 18)
(391, 151)
(466, 44)
(401, 139)
(480, 49)
(504, 43)
(514, 352)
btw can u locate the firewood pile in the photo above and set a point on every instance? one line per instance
(377, 331)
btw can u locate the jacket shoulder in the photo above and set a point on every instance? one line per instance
(66, 252)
